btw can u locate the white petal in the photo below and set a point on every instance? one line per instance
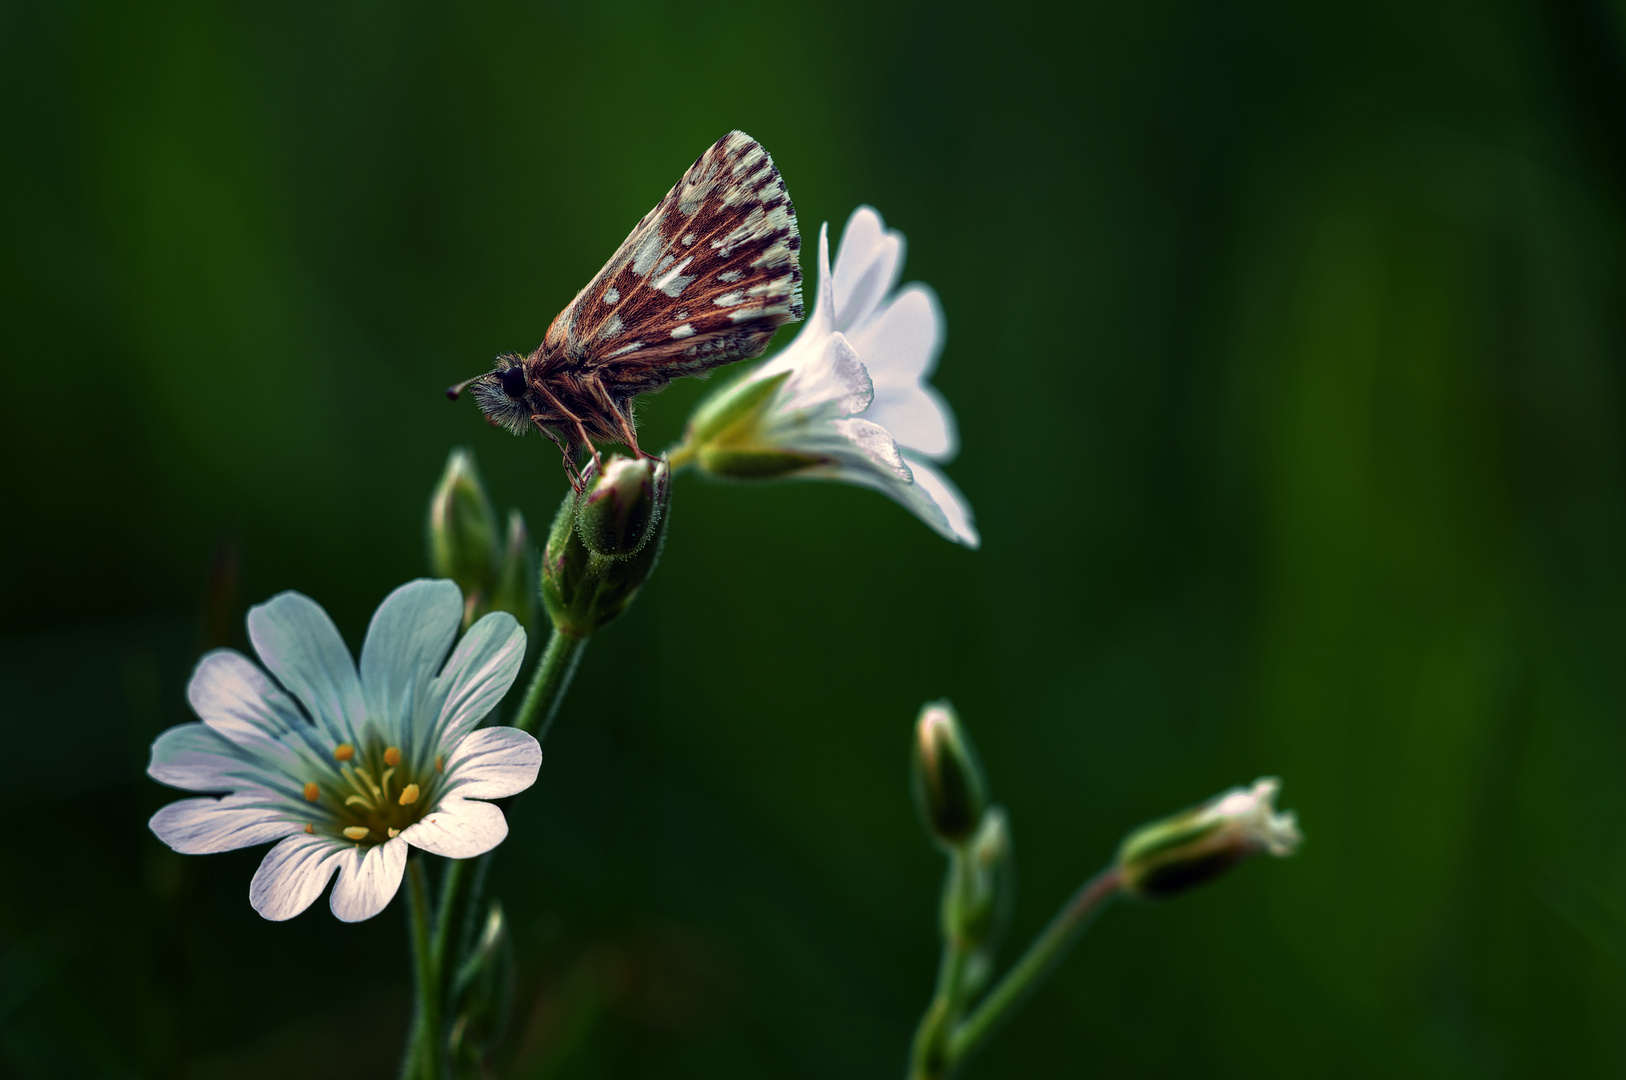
(868, 262)
(458, 829)
(293, 874)
(955, 508)
(368, 879)
(900, 349)
(194, 757)
(406, 642)
(493, 763)
(930, 497)
(299, 644)
(235, 698)
(901, 344)
(875, 448)
(477, 677)
(205, 826)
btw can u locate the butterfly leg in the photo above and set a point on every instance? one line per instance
(623, 420)
(581, 429)
(572, 473)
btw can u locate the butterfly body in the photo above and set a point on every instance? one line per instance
(704, 279)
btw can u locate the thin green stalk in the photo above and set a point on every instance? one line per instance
(929, 1059)
(1047, 949)
(548, 683)
(427, 1053)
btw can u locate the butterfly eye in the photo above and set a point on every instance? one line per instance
(513, 382)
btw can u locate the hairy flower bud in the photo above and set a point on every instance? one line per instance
(620, 507)
(463, 537)
(1191, 848)
(949, 789)
(515, 588)
(583, 590)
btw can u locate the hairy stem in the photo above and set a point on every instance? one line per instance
(548, 683)
(426, 1051)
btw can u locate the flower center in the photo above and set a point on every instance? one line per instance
(376, 794)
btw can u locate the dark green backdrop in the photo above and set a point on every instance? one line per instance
(1285, 341)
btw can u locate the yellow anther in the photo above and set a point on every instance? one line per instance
(409, 794)
(394, 833)
(310, 828)
(344, 751)
(356, 832)
(312, 792)
(392, 756)
(357, 800)
(440, 762)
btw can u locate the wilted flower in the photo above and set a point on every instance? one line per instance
(347, 768)
(1190, 848)
(847, 399)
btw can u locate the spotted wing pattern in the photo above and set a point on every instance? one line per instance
(705, 279)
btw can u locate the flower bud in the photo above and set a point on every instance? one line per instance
(1189, 849)
(582, 590)
(483, 992)
(621, 506)
(463, 528)
(949, 789)
(515, 589)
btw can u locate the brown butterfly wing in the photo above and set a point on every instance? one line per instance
(705, 279)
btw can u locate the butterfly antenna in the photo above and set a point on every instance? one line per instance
(456, 389)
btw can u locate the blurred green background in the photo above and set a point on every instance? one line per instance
(1285, 341)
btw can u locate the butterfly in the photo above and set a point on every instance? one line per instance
(703, 280)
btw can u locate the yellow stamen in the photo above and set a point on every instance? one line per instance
(312, 792)
(356, 832)
(440, 762)
(409, 794)
(392, 756)
(357, 800)
(394, 833)
(386, 782)
(344, 751)
(310, 828)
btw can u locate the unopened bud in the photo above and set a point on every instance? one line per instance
(620, 507)
(949, 789)
(1191, 848)
(463, 538)
(582, 590)
(515, 590)
(992, 881)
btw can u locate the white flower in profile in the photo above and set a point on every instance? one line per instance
(848, 399)
(346, 769)
(1170, 856)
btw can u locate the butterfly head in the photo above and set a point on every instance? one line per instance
(504, 395)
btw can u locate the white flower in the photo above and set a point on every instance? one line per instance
(1251, 813)
(847, 399)
(1177, 853)
(346, 769)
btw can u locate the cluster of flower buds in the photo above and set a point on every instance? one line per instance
(1168, 857)
(604, 542)
(495, 571)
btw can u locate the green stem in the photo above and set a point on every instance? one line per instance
(929, 1059)
(548, 683)
(1047, 949)
(427, 1052)
(547, 689)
